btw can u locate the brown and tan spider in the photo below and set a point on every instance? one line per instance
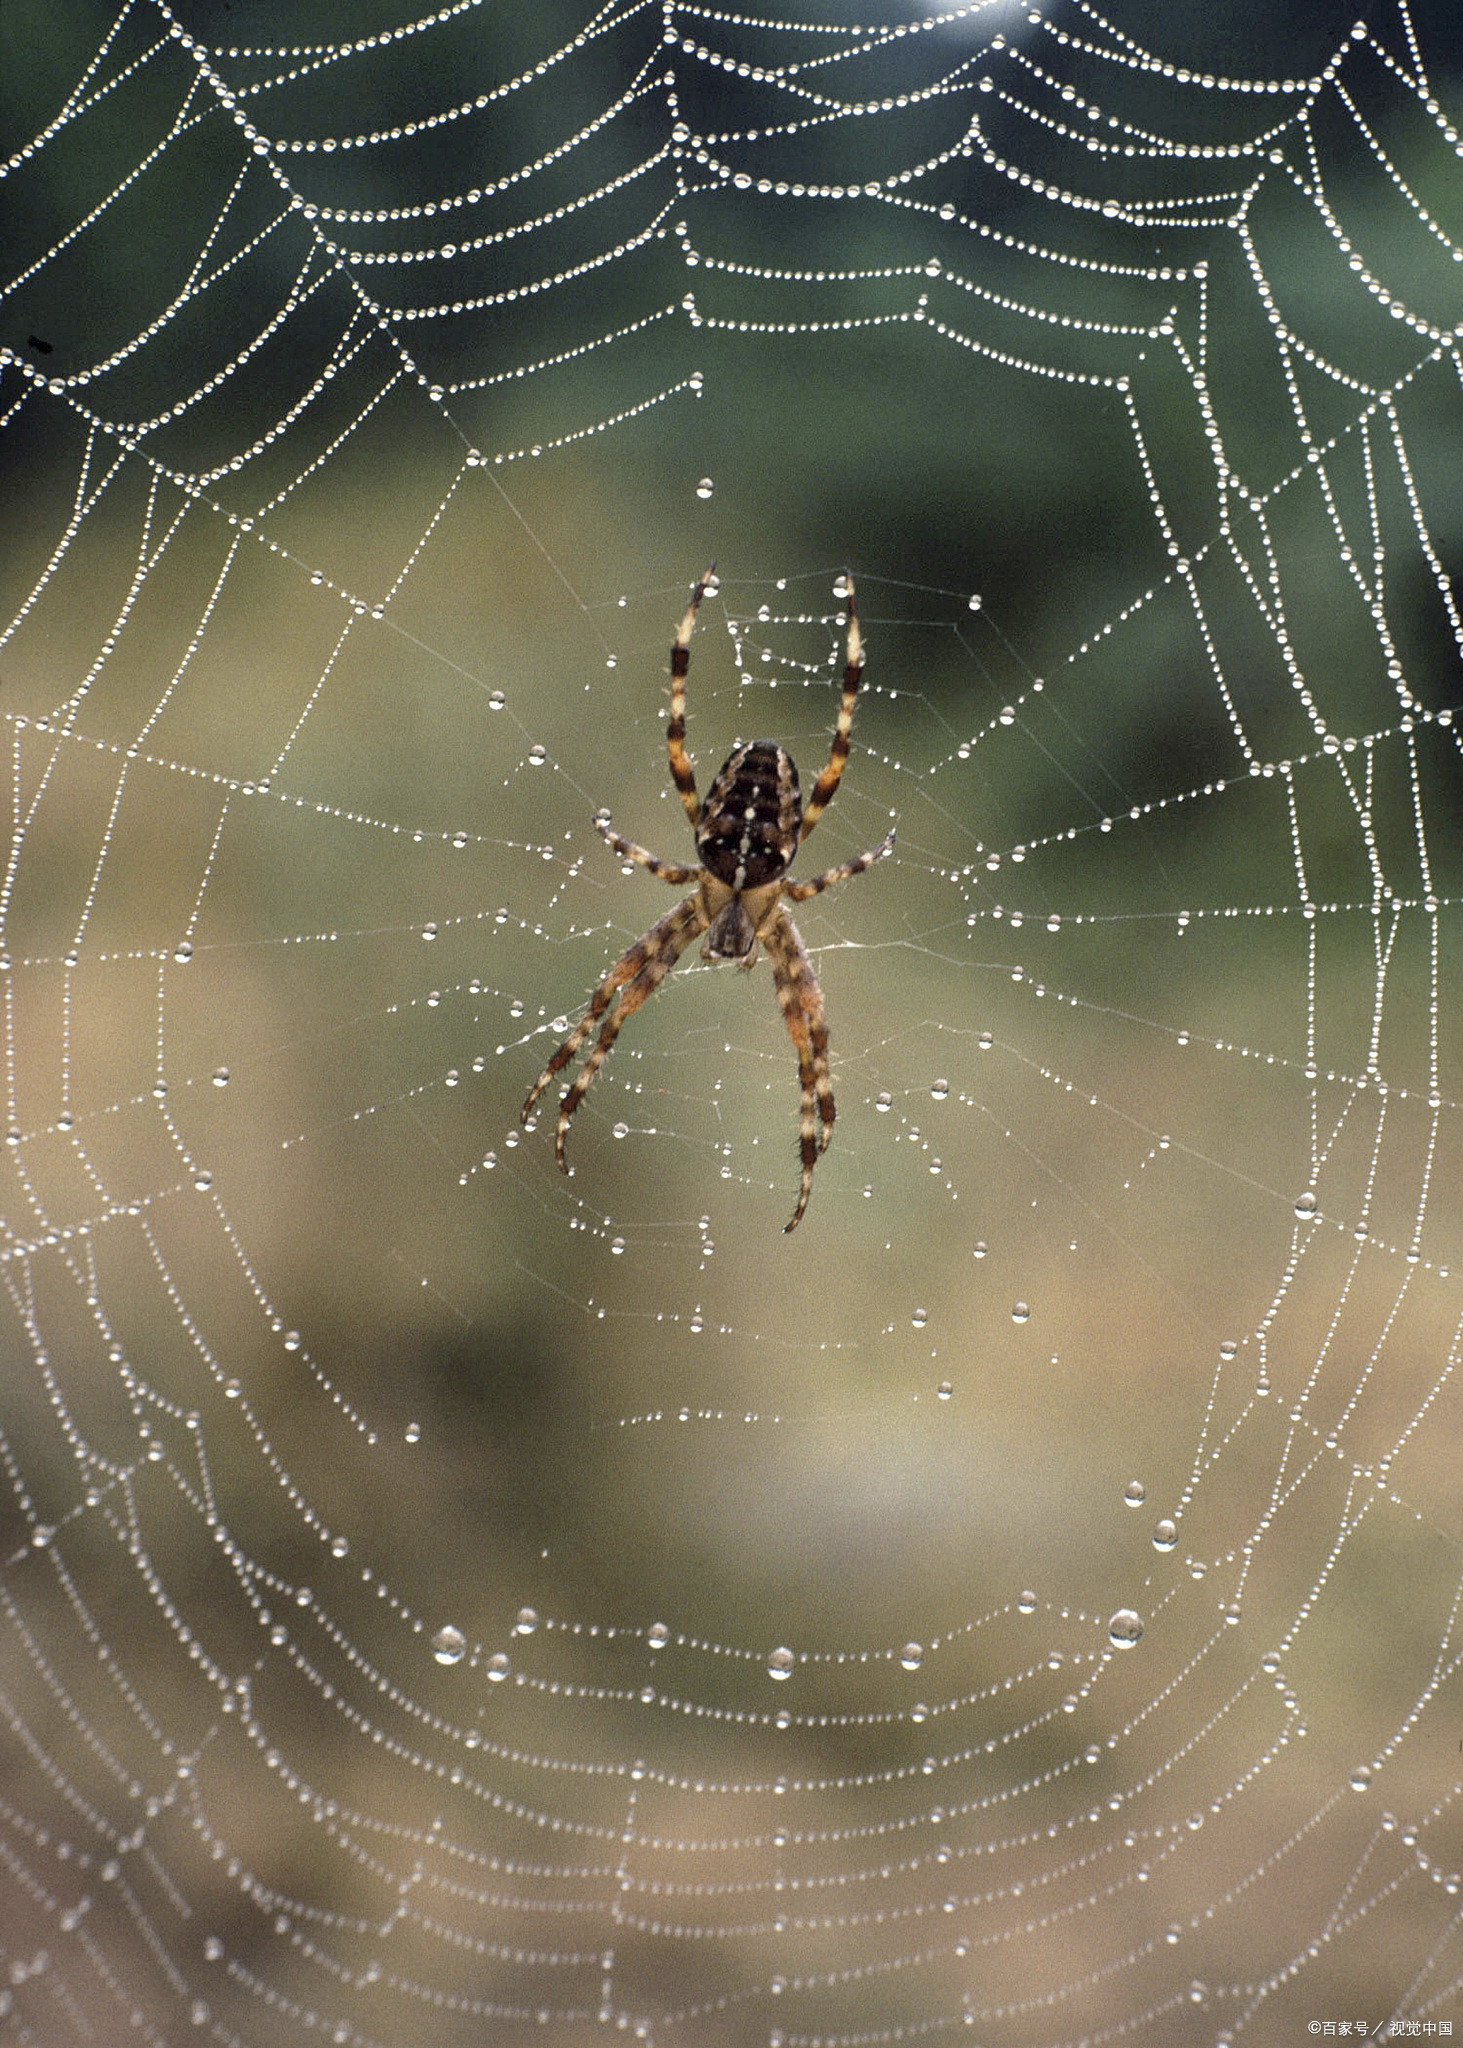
(747, 832)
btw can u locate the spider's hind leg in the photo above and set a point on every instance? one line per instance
(828, 781)
(683, 775)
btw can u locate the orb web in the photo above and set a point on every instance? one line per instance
(440, 1594)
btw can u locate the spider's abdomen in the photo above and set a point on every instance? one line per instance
(747, 832)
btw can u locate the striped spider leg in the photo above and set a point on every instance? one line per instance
(634, 976)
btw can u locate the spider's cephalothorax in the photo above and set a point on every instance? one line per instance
(747, 832)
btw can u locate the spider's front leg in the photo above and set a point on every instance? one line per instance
(634, 976)
(801, 1001)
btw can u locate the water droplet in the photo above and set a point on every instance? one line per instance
(1361, 1778)
(498, 1666)
(183, 953)
(939, 1089)
(413, 1432)
(220, 1077)
(1165, 1534)
(1125, 1629)
(203, 1181)
(978, 1249)
(617, 1246)
(912, 1656)
(1135, 1493)
(525, 1621)
(449, 1645)
(1020, 1313)
(985, 1041)
(705, 487)
(429, 932)
(537, 754)
(1026, 1602)
(657, 1635)
(920, 1317)
(973, 602)
(944, 1390)
(780, 1663)
(883, 1100)
(496, 700)
(1306, 1206)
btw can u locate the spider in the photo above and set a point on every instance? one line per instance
(747, 832)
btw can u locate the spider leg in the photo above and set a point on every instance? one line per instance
(828, 781)
(634, 976)
(682, 773)
(801, 1001)
(668, 871)
(799, 892)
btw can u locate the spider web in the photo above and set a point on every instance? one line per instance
(445, 1600)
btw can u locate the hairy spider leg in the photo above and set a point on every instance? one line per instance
(682, 773)
(800, 967)
(639, 973)
(665, 870)
(828, 781)
(802, 1011)
(799, 892)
